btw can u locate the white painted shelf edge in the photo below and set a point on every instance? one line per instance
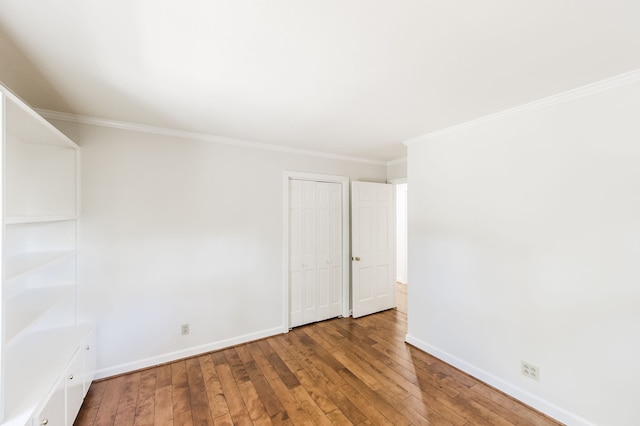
(33, 362)
(29, 126)
(38, 300)
(32, 383)
(25, 263)
(16, 220)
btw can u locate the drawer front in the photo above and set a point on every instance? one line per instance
(90, 359)
(53, 413)
(75, 385)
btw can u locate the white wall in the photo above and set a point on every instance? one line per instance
(177, 231)
(524, 244)
(397, 169)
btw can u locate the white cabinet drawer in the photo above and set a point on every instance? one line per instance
(90, 359)
(75, 385)
(53, 413)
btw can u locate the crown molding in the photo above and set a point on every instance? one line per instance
(589, 89)
(184, 134)
(397, 161)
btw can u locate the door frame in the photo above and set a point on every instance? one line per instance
(346, 232)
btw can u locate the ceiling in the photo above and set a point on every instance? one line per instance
(348, 77)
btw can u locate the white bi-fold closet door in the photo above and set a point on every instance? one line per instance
(315, 251)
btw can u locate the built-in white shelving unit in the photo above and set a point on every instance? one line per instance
(47, 355)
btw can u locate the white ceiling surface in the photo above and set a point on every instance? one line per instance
(349, 77)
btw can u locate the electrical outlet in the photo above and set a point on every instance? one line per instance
(184, 329)
(530, 370)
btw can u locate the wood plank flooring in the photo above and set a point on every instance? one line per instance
(337, 372)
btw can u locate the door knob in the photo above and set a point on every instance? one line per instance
(357, 258)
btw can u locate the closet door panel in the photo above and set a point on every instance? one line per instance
(295, 253)
(324, 232)
(315, 247)
(335, 248)
(309, 251)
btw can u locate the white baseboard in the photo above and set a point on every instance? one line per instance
(185, 353)
(528, 398)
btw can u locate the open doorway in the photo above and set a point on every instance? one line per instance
(401, 233)
(401, 191)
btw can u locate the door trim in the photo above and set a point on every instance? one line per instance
(397, 181)
(346, 246)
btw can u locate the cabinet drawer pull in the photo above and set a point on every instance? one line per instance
(70, 376)
(44, 422)
(87, 348)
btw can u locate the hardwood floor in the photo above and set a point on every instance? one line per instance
(337, 372)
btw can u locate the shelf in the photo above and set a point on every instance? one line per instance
(40, 180)
(22, 310)
(27, 125)
(16, 220)
(38, 293)
(20, 265)
(37, 360)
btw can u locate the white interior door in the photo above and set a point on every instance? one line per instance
(373, 247)
(315, 251)
(308, 252)
(329, 250)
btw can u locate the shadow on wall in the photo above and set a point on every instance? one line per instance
(22, 77)
(22, 74)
